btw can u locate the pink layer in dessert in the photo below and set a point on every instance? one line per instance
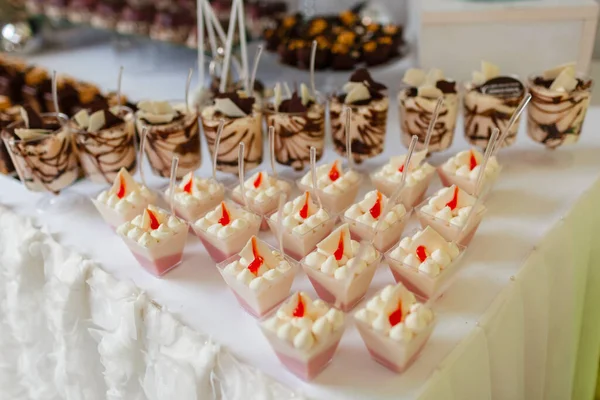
(308, 370)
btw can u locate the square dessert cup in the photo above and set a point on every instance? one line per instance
(305, 365)
(192, 213)
(112, 217)
(296, 245)
(395, 356)
(467, 184)
(337, 292)
(451, 233)
(160, 259)
(423, 286)
(221, 249)
(261, 208)
(411, 195)
(260, 302)
(335, 203)
(384, 239)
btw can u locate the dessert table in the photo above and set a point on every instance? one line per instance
(79, 318)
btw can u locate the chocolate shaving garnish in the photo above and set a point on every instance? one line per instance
(34, 120)
(293, 105)
(503, 86)
(446, 86)
(363, 75)
(244, 103)
(111, 120)
(99, 103)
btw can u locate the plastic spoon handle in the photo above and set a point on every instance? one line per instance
(313, 172)
(486, 158)
(434, 118)
(142, 152)
(187, 90)
(241, 153)
(348, 114)
(173, 179)
(259, 51)
(313, 57)
(55, 95)
(272, 150)
(511, 122)
(119, 81)
(216, 148)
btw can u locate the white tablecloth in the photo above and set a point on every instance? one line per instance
(518, 323)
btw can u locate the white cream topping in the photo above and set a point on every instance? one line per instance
(460, 165)
(361, 211)
(437, 252)
(141, 228)
(425, 82)
(418, 170)
(332, 186)
(159, 112)
(201, 190)
(272, 266)
(488, 71)
(346, 265)
(238, 220)
(125, 194)
(261, 187)
(315, 322)
(563, 78)
(437, 205)
(395, 304)
(293, 218)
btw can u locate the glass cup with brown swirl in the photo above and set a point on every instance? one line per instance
(297, 132)
(484, 111)
(173, 130)
(104, 152)
(416, 111)
(556, 118)
(45, 163)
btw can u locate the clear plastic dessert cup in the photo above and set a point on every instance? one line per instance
(297, 245)
(424, 286)
(220, 249)
(396, 356)
(410, 195)
(306, 365)
(335, 203)
(114, 218)
(196, 209)
(260, 302)
(383, 239)
(469, 185)
(162, 258)
(451, 232)
(344, 294)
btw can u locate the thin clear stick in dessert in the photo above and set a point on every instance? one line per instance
(119, 82)
(55, 92)
(187, 90)
(142, 151)
(241, 153)
(272, 150)
(511, 122)
(434, 118)
(216, 152)
(486, 158)
(228, 46)
(313, 169)
(313, 56)
(172, 182)
(348, 116)
(280, 223)
(259, 51)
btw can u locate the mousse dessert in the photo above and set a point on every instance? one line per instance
(339, 274)
(367, 222)
(369, 104)
(304, 225)
(243, 122)
(337, 189)
(124, 200)
(424, 262)
(42, 151)
(463, 170)
(225, 230)
(417, 103)
(304, 334)
(420, 174)
(259, 276)
(172, 130)
(559, 102)
(8, 115)
(394, 327)
(447, 212)
(299, 123)
(106, 143)
(262, 193)
(156, 239)
(195, 196)
(489, 102)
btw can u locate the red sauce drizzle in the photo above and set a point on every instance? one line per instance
(376, 209)
(421, 253)
(454, 202)
(339, 253)
(258, 260)
(121, 192)
(334, 173)
(188, 186)
(396, 317)
(304, 210)
(299, 310)
(401, 169)
(154, 224)
(258, 180)
(225, 217)
(472, 161)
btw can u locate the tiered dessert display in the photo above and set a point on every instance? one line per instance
(344, 40)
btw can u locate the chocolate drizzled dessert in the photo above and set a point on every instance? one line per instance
(299, 123)
(559, 102)
(417, 103)
(243, 123)
(8, 115)
(369, 103)
(12, 79)
(105, 140)
(489, 102)
(172, 130)
(42, 151)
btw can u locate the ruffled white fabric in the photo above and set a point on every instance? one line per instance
(69, 330)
